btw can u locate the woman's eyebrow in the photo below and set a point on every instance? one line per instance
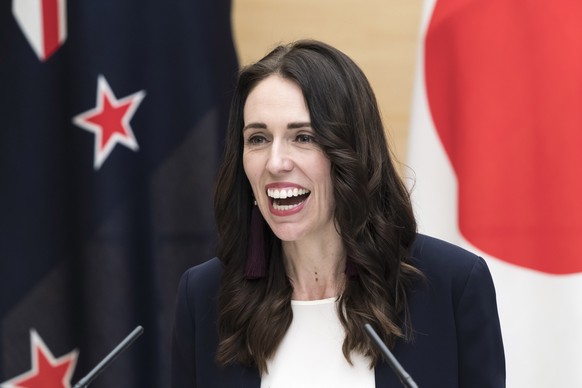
(255, 126)
(295, 125)
(301, 124)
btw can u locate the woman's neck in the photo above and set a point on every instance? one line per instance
(316, 269)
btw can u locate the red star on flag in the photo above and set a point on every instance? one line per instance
(109, 121)
(47, 371)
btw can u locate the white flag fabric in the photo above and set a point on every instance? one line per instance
(495, 157)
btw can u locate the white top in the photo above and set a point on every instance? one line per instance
(310, 354)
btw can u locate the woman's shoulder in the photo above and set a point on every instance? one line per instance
(425, 246)
(203, 277)
(441, 260)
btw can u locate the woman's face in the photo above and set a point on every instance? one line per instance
(289, 174)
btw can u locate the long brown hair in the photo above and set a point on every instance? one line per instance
(373, 213)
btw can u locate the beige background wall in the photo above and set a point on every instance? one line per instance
(380, 35)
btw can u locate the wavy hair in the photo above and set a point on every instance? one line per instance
(373, 213)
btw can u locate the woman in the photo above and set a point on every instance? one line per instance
(318, 238)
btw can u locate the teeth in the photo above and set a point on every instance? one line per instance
(285, 207)
(286, 193)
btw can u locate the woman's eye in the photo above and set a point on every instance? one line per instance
(304, 138)
(256, 139)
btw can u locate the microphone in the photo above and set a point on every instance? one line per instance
(404, 377)
(85, 381)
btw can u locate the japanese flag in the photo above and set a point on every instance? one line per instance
(496, 165)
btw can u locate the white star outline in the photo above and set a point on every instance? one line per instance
(37, 342)
(101, 154)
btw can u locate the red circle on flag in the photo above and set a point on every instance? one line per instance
(504, 85)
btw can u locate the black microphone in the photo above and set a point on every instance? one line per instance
(404, 377)
(85, 381)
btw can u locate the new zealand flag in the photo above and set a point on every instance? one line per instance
(112, 115)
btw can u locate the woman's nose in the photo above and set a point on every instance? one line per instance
(280, 158)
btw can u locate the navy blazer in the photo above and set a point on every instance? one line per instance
(457, 337)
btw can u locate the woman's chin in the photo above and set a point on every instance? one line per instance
(288, 234)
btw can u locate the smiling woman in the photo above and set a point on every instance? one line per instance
(286, 303)
(282, 157)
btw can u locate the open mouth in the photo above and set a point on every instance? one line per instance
(287, 199)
